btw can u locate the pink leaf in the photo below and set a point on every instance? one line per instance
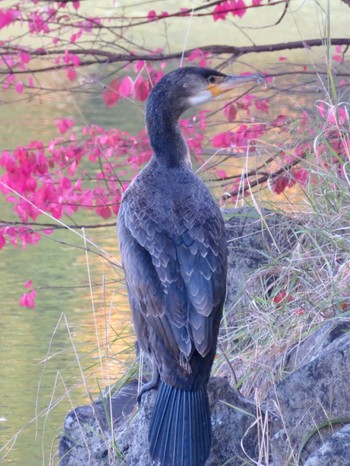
(8, 16)
(152, 15)
(222, 139)
(24, 58)
(239, 8)
(221, 173)
(126, 86)
(64, 124)
(263, 105)
(337, 58)
(321, 109)
(301, 176)
(221, 11)
(111, 94)
(71, 74)
(28, 299)
(19, 87)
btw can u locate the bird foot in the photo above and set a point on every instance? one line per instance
(148, 386)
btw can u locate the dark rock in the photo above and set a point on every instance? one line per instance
(88, 441)
(334, 452)
(233, 424)
(314, 400)
(87, 438)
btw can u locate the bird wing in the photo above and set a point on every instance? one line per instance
(175, 267)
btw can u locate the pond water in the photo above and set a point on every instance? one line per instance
(79, 336)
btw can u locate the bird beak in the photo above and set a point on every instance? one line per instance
(229, 82)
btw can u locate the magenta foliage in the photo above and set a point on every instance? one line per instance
(83, 168)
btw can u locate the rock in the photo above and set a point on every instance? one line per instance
(253, 239)
(314, 400)
(334, 452)
(87, 441)
(233, 421)
(327, 337)
(233, 426)
(87, 438)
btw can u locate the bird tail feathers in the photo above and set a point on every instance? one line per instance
(180, 430)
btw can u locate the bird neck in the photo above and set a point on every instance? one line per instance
(166, 137)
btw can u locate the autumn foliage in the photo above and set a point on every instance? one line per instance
(49, 178)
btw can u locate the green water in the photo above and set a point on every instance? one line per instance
(49, 356)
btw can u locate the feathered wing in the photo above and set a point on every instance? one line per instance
(175, 265)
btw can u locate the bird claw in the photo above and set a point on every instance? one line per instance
(148, 386)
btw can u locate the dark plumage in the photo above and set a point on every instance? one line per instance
(173, 246)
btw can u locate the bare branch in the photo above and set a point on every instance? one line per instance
(110, 57)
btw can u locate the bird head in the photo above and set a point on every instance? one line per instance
(187, 87)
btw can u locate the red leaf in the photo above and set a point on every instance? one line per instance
(142, 89)
(230, 112)
(104, 212)
(301, 176)
(280, 120)
(282, 296)
(111, 94)
(280, 184)
(263, 105)
(279, 297)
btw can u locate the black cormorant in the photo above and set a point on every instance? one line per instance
(173, 245)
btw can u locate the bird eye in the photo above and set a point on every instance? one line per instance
(212, 79)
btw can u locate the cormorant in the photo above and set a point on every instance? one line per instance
(173, 245)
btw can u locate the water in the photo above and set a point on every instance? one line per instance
(50, 356)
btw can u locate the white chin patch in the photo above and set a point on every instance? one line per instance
(200, 98)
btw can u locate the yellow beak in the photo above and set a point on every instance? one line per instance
(229, 82)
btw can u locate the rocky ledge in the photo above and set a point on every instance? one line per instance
(304, 419)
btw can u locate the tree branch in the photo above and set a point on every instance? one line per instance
(110, 57)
